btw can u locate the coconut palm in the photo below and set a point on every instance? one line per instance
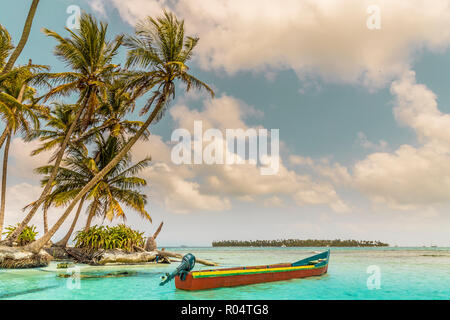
(57, 123)
(11, 110)
(23, 39)
(89, 54)
(162, 49)
(120, 185)
(5, 46)
(24, 118)
(113, 108)
(17, 95)
(5, 49)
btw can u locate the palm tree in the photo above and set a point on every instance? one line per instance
(89, 54)
(24, 117)
(161, 46)
(11, 110)
(5, 50)
(113, 107)
(5, 46)
(23, 39)
(120, 185)
(58, 122)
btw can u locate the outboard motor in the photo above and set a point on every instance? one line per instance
(187, 264)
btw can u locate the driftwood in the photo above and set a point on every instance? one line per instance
(118, 256)
(103, 257)
(57, 253)
(164, 253)
(139, 249)
(85, 256)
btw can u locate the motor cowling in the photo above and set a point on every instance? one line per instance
(187, 264)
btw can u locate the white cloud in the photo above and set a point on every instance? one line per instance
(181, 195)
(21, 163)
(325, 38)
(365, 143)
(411, 176)
(274, 202)
(300, 161)
(333, 172)
(131, 10)
(223, 112)
(186, 188)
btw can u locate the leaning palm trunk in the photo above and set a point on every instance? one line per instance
(89, 221)
(23, 39)
(91, 216)
(45, 219)
(48, 186)
(4, 173)
(4, 135)
(63, 241)
(37, 245)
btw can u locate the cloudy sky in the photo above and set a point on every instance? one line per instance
(363, 114)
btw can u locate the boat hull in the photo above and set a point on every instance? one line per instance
(267, 275)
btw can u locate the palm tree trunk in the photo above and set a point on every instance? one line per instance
(63, 241)
(45, 219)
(4, 173)
(23, 39)
(37, 245)
(45, 214)
(4, 135)
(91, 216)
(13, 236)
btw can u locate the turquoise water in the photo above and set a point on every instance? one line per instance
(404, 273)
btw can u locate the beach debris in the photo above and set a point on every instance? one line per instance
(163, 260)
(85, 255)
(116, 256)
(180, 256)
(57, 252)
(18, 258)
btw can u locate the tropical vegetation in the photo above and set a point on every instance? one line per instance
(108, 238)
(84, 117)
(27, 235)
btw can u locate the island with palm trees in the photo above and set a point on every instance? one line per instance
(83, 117)
(299, 243)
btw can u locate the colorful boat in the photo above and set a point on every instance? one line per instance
(186, 279)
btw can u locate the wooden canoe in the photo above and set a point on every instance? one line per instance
(316, 265)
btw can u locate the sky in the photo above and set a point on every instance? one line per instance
(363, 114)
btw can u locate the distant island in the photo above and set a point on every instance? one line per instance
(299, 243)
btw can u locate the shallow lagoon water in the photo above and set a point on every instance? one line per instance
(405, 273)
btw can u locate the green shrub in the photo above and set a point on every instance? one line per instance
(118, 237)
(27, 236)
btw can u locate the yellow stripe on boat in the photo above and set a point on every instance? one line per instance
(224, 273)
